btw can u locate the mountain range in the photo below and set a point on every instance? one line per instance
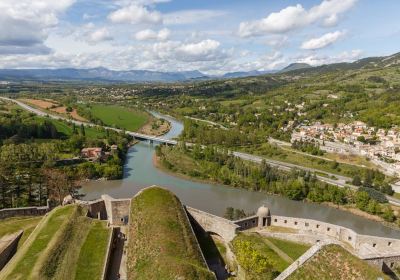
(101, 74)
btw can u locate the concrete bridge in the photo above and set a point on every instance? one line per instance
(333, 179)
(137, 135)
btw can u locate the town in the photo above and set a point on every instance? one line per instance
(381, 146)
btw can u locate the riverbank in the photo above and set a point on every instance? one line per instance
(156, 127)
(345, 208)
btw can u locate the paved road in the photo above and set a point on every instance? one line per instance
(135, 134)
(338, 180)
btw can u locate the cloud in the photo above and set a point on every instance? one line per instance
(323, 41)
(26, 23)
(206, 50)
(317, 59)
(100, 35)
(135, 13)
(296, 17)
(149, 34)
(191, 16)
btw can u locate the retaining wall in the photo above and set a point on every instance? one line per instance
(364, 245)
(8, 245)
(214, 224)
(23, 211)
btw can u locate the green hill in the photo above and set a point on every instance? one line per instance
(161, 242)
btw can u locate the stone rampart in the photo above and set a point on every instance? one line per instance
(96, 208)
(23, 211)
(365, 246)
(113, 234)
(8, 247)
(214, 224)
(247, 223)
(117, 210)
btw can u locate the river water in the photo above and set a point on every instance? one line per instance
(139, 173)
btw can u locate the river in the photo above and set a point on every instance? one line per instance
(139, 173)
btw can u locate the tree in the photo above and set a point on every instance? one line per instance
(356, 181)
(362, 199)
(229, 213)
(83, 130)
(388, 214)
(59, 184)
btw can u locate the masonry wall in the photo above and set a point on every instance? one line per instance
(247, 223)
(9, 247)
(214, 224)
(23, 211)
(363, 244)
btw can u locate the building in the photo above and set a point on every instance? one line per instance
(92, 153)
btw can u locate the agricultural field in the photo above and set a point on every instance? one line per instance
(334, 262)
(58, 245)
(161, 243)
(120, 117)
(53, 107)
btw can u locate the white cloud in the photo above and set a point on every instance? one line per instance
(296, 17)
(135, 13)
(323, 41)
(191, 16)
(27, 23)
(206, 50)
(149, 34)
(100, 35)
(202, 48)
(316, 59)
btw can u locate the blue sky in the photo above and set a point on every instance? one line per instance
(211, 36)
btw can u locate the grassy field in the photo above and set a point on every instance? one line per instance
(161, 243)
(257, 246)
(12, 225)
(292, 249)
(66, 129)
(119, 116)
(334, 262)
(55, 248)
(91, 257)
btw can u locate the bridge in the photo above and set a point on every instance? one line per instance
(330, 178)
(136, 135)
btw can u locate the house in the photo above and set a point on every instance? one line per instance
(92, 153)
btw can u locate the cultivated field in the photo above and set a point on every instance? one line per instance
(161, 243)
(119, 116)
(53, 106)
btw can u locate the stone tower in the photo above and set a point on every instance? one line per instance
(264, 216)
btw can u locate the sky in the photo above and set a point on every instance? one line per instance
(212, 36)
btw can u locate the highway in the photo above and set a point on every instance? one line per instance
(331, 178)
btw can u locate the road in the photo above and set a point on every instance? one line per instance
(44, 114)
(331, 178)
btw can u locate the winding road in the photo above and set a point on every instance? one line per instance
(331, 178)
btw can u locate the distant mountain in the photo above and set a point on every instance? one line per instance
(101, 74)
(245, 74)
(364, 63)
(98, 74)
(295, 66)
